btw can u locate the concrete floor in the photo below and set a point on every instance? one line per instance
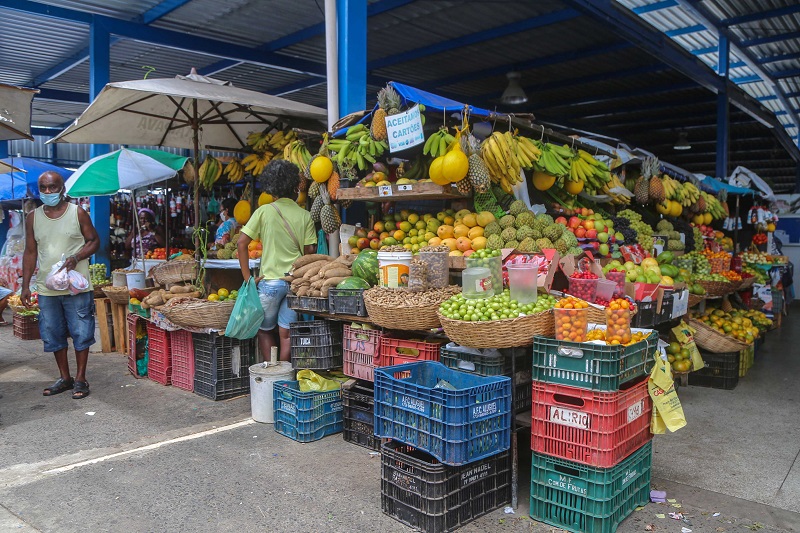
(153, 458)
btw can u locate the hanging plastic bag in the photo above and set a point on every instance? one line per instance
(310, 381)
(77, 282)
(57, 279)
(247, 313)
(665, 400)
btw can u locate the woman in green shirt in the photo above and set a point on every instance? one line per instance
(286, 232)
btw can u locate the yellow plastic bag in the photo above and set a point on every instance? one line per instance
(684, 335)
(310, 381)
(665, 400)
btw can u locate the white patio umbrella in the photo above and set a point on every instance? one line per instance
(15, 113)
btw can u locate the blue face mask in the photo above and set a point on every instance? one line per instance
(50, 199)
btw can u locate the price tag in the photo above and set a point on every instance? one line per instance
(404, 187)
(385, 190)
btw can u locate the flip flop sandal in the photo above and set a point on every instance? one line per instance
(81, 390)
(58, 387)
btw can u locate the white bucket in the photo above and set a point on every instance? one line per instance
(135, 280)
(393, 269)
(120, 279)
(262, 377)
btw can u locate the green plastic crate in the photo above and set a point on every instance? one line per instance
(585, 499)
(746, 360)
(591, 366)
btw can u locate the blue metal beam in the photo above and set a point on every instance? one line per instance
(162, 9)
(63, 96)
(621, 95)
(656, 6)
(351, 22)
(46, 10)
(475, 38)
(723, 111)
(685, 31)
(775, 59)
(549, 86)
(781, 74)
(704, 51)
(743, 80)
(762, 15)
(382, 6)
(770, 39)
(297, 86)
(99, 72)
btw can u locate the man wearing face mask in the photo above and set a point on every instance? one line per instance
(61, 228)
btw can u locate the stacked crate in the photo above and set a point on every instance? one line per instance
(590, 433)
(448, 461)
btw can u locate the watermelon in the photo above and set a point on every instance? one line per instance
(366, 266)
(353, 282)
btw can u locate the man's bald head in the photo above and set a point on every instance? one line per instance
(51, 182)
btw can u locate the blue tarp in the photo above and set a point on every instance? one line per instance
(25, 183)
(715, 186)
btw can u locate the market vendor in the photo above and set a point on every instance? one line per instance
(152, 236)
(227, 224)
(286, 232)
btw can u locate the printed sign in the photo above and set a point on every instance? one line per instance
(483, 410)
(414, 404)
(385, 190)
(404, 130)
(635, 411)
(568, 417)
(567, 483)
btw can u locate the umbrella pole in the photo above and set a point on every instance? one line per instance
(167, 219)
(196, 143)
(139, 231)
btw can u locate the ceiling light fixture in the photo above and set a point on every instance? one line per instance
(683, 141)
(514, 95)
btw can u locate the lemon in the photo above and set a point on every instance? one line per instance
(213, 297)
(223, 292)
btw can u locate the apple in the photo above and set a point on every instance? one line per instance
(561, 220)
(574, 222)
(619, 236)
(603, 249)
(372, 235)
(580, 233)
(602, 237)
(591, 233)
(596, 245)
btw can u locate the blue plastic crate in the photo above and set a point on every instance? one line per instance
(455, 426)
(306, 416)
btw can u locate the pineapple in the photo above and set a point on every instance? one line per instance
(641, 191)
(313, 190)
(701, 205)
(329, 219)
(316, 207)
(388, 104)
(650, 170)
(333, 185)
(478, 174)
(464, 186)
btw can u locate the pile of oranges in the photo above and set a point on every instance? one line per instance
(719, 261)
(600, 335)
(732, 276)
(572, 319)
(618, 322)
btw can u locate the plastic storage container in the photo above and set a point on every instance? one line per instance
(593, 428)
(522, 282)
(26, 327)
(605, 290)
(395, 351)
(358, 398)
(135, 280)
(476, 282)
(721, 371)
(495, 266)
(159, 362)
(362, 349)
(393, 269)
(346, 302)
(307, 303)
(585, 289)
(316, 344)
(414, 404)
(262, 378)
(571, 324)
(585, 499)
(428, 496)
(437, 272)
(222, 365)
(618, 326)
(182, 349)
(306, 416)
(746, 360)
(591, 366)
(619, 283)
(645, 316)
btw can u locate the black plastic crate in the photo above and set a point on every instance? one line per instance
(346, 302)
(222, 365)
(721, 371)
(422, 493)
(645, 316)
(307, 303)
(316, 344)
(359, 414)
(667, 304)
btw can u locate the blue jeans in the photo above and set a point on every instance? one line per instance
(73, 314)
(272, 293)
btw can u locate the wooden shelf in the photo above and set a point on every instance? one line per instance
(397, 193)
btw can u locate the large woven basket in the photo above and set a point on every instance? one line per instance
(715, 288)
(196, 313)
(406, 317)
(506, 333)
(175, 271)
(695, 299)
(98, 290)
(118, 295)
(747, 283)
(711, 340)
(735, 285)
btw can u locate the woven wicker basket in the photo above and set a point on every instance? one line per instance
(175, 271)
(711, 340)
(506, 333)
(735, 286)
(98, 290)
(415, 318)
(747, 283)
(196, 313)
(695, 299)
(117, 295)
(715, 288)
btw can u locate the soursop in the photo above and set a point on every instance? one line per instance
(527, 245)
(675, 246)
(511, 244)
(508, 234)
(525, 218)
(561, 246)
(553, 232)
(570, 239)
(224, 254)
(536, 234)
(507, 221)
(544, 243)
(492, 228)
(517, 207)
(494, 242)
(547, 219)
(523, 233)
(574, 250)
(664, 225)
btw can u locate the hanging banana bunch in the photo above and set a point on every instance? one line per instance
(209, 172)
(234, 170)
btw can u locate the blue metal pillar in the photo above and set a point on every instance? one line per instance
(723, 111)
(99, 67)
(4, 224)
(351, 18)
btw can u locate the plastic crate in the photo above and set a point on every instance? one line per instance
(590, 366)
(362, 348)
(316, 344)
(134, 350)
(667, 304)
(585, 499)
(645, 316)
(138, 310)
(26, 327)
(307, 303)
(428, 496)
(306, 416)
(397, 351)
(346, 302)
(159, 363)
(359, 414)
(455, 426)
(721, 371)
(589, 427)
(222, 365)
(182, 349)
(746, 360)
(485, 362)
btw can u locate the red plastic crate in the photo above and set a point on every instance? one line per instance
(182, 348)
(589, 427)
(159, 363)
(133, 320)
(362, 349)
(421, 351)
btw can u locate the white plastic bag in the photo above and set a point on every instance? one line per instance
(57, 279)
(77, 283)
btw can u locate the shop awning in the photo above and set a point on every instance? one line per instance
(714, 185)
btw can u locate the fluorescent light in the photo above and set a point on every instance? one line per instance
(683, 142)
(514, 95)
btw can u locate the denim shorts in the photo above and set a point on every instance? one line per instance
(59, 315)
(272, 293)
(5, 292)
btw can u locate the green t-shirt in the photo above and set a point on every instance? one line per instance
(279, 248)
